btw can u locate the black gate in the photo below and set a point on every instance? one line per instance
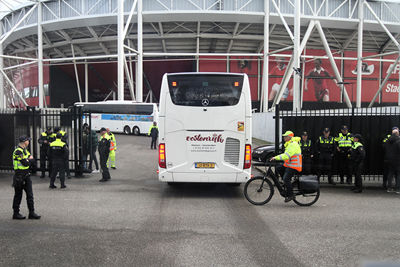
(374, 124)
(32, 122)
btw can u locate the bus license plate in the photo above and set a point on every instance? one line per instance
(204, 165)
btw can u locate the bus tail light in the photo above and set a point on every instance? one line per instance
(161, 156)
(247, 157)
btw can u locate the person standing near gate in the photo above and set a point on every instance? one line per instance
(153, 132)
(58, 154)
(324, 150)
(113, 149)
(306, 152)
(344, 142)
(104, 151)
(64, 138)
(293, 162)
(44, 141)
(392, 157)
(386, 160)
(22, 160)
(357, 156)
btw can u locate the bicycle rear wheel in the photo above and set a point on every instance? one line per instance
(304, 199)
(258, 190)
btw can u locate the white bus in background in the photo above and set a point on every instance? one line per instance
(205, 128)
(121, 116)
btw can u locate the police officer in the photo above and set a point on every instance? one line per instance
(113, 149)
(64, 138)
(386, 163)
(306, 152)
(344, 142)
(22, 160)
(357, 156)
(44, 141)
(324, 150)
(104, 151)
(58, 154)
(153, 132)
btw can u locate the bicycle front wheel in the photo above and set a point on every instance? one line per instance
(258, 190)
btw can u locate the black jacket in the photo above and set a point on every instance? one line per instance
(392, 151)
(59, 153)
(357, 154)
(104, 146)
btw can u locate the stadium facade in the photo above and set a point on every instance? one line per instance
(57, 52)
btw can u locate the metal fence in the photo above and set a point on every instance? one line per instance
(32, 122)
(374, 124)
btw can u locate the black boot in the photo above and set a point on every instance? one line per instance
(34, 216)
(18, 216)
(63, 186)
(52, 186)
(42, 176)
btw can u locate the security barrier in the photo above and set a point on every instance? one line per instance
(32, 122)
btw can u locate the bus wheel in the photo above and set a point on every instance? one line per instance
(127, 130)
(136, 130)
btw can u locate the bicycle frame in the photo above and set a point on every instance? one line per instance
(277, 184)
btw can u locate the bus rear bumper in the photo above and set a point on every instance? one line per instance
(234, 177)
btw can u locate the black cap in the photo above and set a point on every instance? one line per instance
(57, 129)
(24, 138)
(395, 128)
(59, 136)
(103, 129)
(326, 130)
(344, 127)
(304, 133)
(48, 128)
(358, 136)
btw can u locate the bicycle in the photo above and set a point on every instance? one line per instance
(260, 189)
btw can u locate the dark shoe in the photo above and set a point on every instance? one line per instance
(52, 186)
(357, 191)
(18, 216)
(69, 177)
(114, 168)
(103, 180)
(341, 181)
(287, 199)
(42, 176)
(348, 182)
(63, 186)
(34, 216)
(353, 188)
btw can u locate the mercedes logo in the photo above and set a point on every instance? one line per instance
(205, 102)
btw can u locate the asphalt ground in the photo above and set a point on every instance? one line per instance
(135, 220)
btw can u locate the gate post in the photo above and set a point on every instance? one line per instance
(76, 146)
(34, 138)
(277, 137)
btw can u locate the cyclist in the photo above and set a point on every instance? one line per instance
(292, 162)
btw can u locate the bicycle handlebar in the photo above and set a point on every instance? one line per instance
(268, 163)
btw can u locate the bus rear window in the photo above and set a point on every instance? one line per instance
(205, 90)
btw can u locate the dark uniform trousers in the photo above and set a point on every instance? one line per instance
(344, 166)
(325, 165)
(357, 170)
(103, 164)
(307, 164)
(44, 157)
(22, 182)
(58, 167)
(153, 143)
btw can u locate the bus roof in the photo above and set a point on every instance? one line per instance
(208, 73)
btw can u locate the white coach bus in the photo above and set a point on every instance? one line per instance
(121, 116)
(205, 128)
